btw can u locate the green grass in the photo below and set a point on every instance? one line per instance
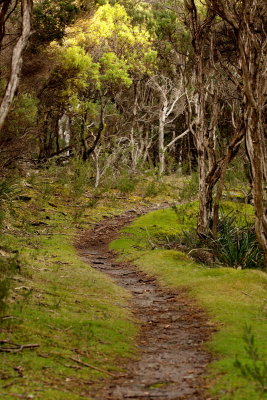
(58, 301)
(232, 298)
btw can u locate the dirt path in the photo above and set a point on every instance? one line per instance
(172, 330)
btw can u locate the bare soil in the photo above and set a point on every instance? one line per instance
(172, 360)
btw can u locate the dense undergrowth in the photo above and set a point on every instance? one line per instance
(234, 298)
(48, 296)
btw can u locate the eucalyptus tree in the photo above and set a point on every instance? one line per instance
(209, 100)
(248, 22)
(171, 104)
(120, 54)
(17, 52)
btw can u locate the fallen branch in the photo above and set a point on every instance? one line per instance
(95, 368)
(253, 297)
(148, 395)
(16, 347)
(8, 317)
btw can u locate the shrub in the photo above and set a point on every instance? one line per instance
(190, 189)
(80, 178)
(237, 246)
(155, 187)
(8, 266)
(7, 188)
(255, 369)
(126, 183)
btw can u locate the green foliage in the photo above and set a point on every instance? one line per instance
(141, 13)
(50, 18)
(8, 266)
(80, 177)
(126, 182)
(24, 109)
(237, 177)
(236, 173)
(189, 190)
(114, 70)
(77, 70)
(154, 187)
(237, 246)
(165, 22)
(8, 187)
(110, 31)
(255, 369)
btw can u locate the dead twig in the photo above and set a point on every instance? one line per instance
(253, 297)
(16, 348)
(148, 395)
(95, 368)
(8, 317)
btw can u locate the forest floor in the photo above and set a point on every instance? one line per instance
(145, 322)
(171, 358)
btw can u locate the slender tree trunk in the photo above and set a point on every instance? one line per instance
(3, 13)
(256, 148)
(205, 198)
(248, 21)
(100, 130)
(133, 128)
(82, 135)
(161, 142)
(16, 63)
(96, 154)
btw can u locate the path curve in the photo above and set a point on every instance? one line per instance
(172, 360)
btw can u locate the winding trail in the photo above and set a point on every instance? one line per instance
(172, 360)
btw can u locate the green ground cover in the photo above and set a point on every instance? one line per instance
(73, 312)
(55, 299)
(234, 299)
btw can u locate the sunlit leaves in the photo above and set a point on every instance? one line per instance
(114, 70)
(77, 68)
(110, 30)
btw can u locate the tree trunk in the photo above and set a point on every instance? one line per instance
(16, 63)
(3, 12)
(205, 198)
(161, 142)
(101, 128)
(256, 148)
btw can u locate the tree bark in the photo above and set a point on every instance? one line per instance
(256, 148)
(3, 17)
(162, 123)
(248, 22)
(87, 153)
(16, 63)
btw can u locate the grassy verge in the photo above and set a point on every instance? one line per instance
(233, 298)
(57, 302)
(53, 299)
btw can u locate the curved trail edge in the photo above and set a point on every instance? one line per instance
(172, 360)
